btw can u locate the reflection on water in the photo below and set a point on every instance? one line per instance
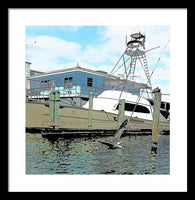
(88, 156)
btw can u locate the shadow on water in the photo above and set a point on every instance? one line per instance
(87, 156)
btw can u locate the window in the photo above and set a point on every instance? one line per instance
(139, 108)
(45, 85)
(167, 106)
(90, 82)
(68, 82)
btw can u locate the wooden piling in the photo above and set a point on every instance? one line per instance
(121, 111)
(54, 102)
(156, 114)
(90, 110)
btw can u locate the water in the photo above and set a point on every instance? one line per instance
(88, 156)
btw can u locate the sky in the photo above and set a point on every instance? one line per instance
(51, 48)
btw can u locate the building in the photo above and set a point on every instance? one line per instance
(74, 84)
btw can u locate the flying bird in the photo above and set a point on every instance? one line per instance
(115, 142)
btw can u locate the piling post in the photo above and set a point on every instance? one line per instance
(121, 111)
(156, 114)
(90, 110)
(54, 103)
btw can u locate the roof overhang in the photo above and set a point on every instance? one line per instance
(73, 69)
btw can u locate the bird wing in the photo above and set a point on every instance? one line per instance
(119, 132)
(107, 143)
(117, 135)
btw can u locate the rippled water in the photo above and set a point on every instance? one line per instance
(88, 156)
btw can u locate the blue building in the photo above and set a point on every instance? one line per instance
(74, 84)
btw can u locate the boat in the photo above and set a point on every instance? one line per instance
(135, 106)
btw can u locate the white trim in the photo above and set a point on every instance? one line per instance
(61, 95)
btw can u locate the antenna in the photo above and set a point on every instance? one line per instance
(126, 40)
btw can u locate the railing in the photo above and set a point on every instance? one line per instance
(71, 91)
(67, 91)
(75, 90)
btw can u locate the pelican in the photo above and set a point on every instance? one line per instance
(115, 142)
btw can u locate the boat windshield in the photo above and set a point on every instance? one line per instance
(139, 108)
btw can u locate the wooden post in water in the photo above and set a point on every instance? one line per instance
(54, 103)
(156, 114)
(121, 111)
(90, 110)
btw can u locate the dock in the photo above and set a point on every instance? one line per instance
(55, 120)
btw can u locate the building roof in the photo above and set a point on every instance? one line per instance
(37, 72)
(115, 79)
(73, 69)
